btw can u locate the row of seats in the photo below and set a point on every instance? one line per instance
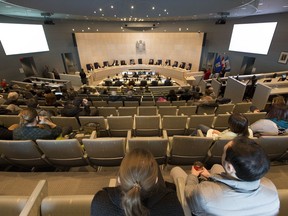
(173, 124)
(107, 151)
(41, 203)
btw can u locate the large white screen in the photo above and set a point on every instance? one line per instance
(253, 37)
(22, 38)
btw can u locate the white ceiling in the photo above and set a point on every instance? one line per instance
(139, 10)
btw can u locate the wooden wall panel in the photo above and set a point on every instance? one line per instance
(99, 47)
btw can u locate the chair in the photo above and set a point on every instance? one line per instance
(147, 98)
(175, 64)
(175, 125)
(66, 205)
(107, 111)
(131, 104)
(147, 125)
(159, 62)
(105, 64)
(24, 205)
(182, 65)
(22, 153)
(116, 104)
(187, 110)
(63, 153)
(66, 121)
(140, 61)
(96, 65)
(168, 62)
(276, 147)
(122, 62)
(189, 66)
(164, 103)
(179, 103)
(216, 151)
(118, 126)
(242, 107)
(127, 111)
(102, 130)
(156, 145)
(253, 117)
(105, 151)
(100, 103)
(205, 109)
(224, 108)
(167, 110)
(147, 103)
(9, 120)
(196, 120)
(147, 110)
(221, 121)
(283, 196)
(151, 61)
(185, 150)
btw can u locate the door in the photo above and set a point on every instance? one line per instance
(29, 66)
(69, 63)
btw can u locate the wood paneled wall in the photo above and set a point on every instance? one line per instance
(99, 47)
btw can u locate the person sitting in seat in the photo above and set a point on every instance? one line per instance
(141, 190)
(31, 127)
(237, 188)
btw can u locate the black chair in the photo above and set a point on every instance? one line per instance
(151, 61)
(175, 64)
(96, 65)
(122, 62)
(189, 66)
(105, 64)
(140, 61)
(168, 62)
(182, 65)
(159, 62)
(89, 67)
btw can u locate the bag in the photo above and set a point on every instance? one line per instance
(89, 127)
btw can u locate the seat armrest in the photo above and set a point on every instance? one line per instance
(200, 133)
(33, 204)
(93, 135)
(164, 134)
(180, 187)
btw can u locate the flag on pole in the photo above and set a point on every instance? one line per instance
(227, 64)
(217, 65)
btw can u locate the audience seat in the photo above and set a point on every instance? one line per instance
(224, 109)
(167, 110)
(175, 125)
(242, 107)
(187, 110)
(147, 125)
(253, 117)
(118, 126)
(66, 121)
(147, 110)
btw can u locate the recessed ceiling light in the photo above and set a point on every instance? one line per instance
(153, 8)
(97, 30)
(132, 7)
(95, 12)
(88, 28)
(100, 9)
(243, 8)
(121, 27)
(102, 14)
(159, 14)
(187, 29)
(180, 29)
(112, 6)
(260, 4)
(165, 10)
(73, 29)
(82, 30)
(147, 16)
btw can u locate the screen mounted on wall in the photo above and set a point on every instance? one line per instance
(252, 38)
(22, 38)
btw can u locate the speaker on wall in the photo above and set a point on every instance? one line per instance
(74, 40)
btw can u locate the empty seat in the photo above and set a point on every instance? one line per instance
(206, 109)
(216, 151)
(63, 153)
(147, 125)
(163, 103)
(66, 121)
(107, 111)
(167, 110)
(156, 145)
(100, 103)
(147, 110)
(22, 153)
(147, 103)
(131, 103)
(187, 110)
(179, 103)
(122, 62)
(242, 107)
(175, 125)
(105, 151)
(118, 126)
(185, 150)
(116, 104)
(127, 111)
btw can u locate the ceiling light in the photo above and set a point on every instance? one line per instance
(147, 16)
(285, 6)
(73, 29)
(102, 14)
(153, 8)
(165, 10)
(112, 6)
(121, 27)
(132, 7)
(88, 28)
(95, 12)
(167, 13)
(159, 14)
(187, 29)
(180, 29)
(82, 30)
(97, 30)
(100, 9)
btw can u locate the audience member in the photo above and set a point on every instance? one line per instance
(141, 190)
(238, 187)
(207, 74)
(5, 133)
(171, 96)
(238, 126)
(51, 100)
(31, 127)
(186, 95)
(83, 77)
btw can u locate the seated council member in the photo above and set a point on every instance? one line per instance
(32, 127)
(235, 188)
(141, 190)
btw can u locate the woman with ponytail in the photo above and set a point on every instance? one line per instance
(141, 190)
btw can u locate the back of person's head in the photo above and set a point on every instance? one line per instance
(50, 99)
(138, 176)
(27, 116)
(238, 124)
(32, 102)
(13, 96)
(248, 159)
(278, 111)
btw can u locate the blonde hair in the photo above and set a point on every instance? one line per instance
(279, 100)
(27, 116)
(13, 96)
(138, 175)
